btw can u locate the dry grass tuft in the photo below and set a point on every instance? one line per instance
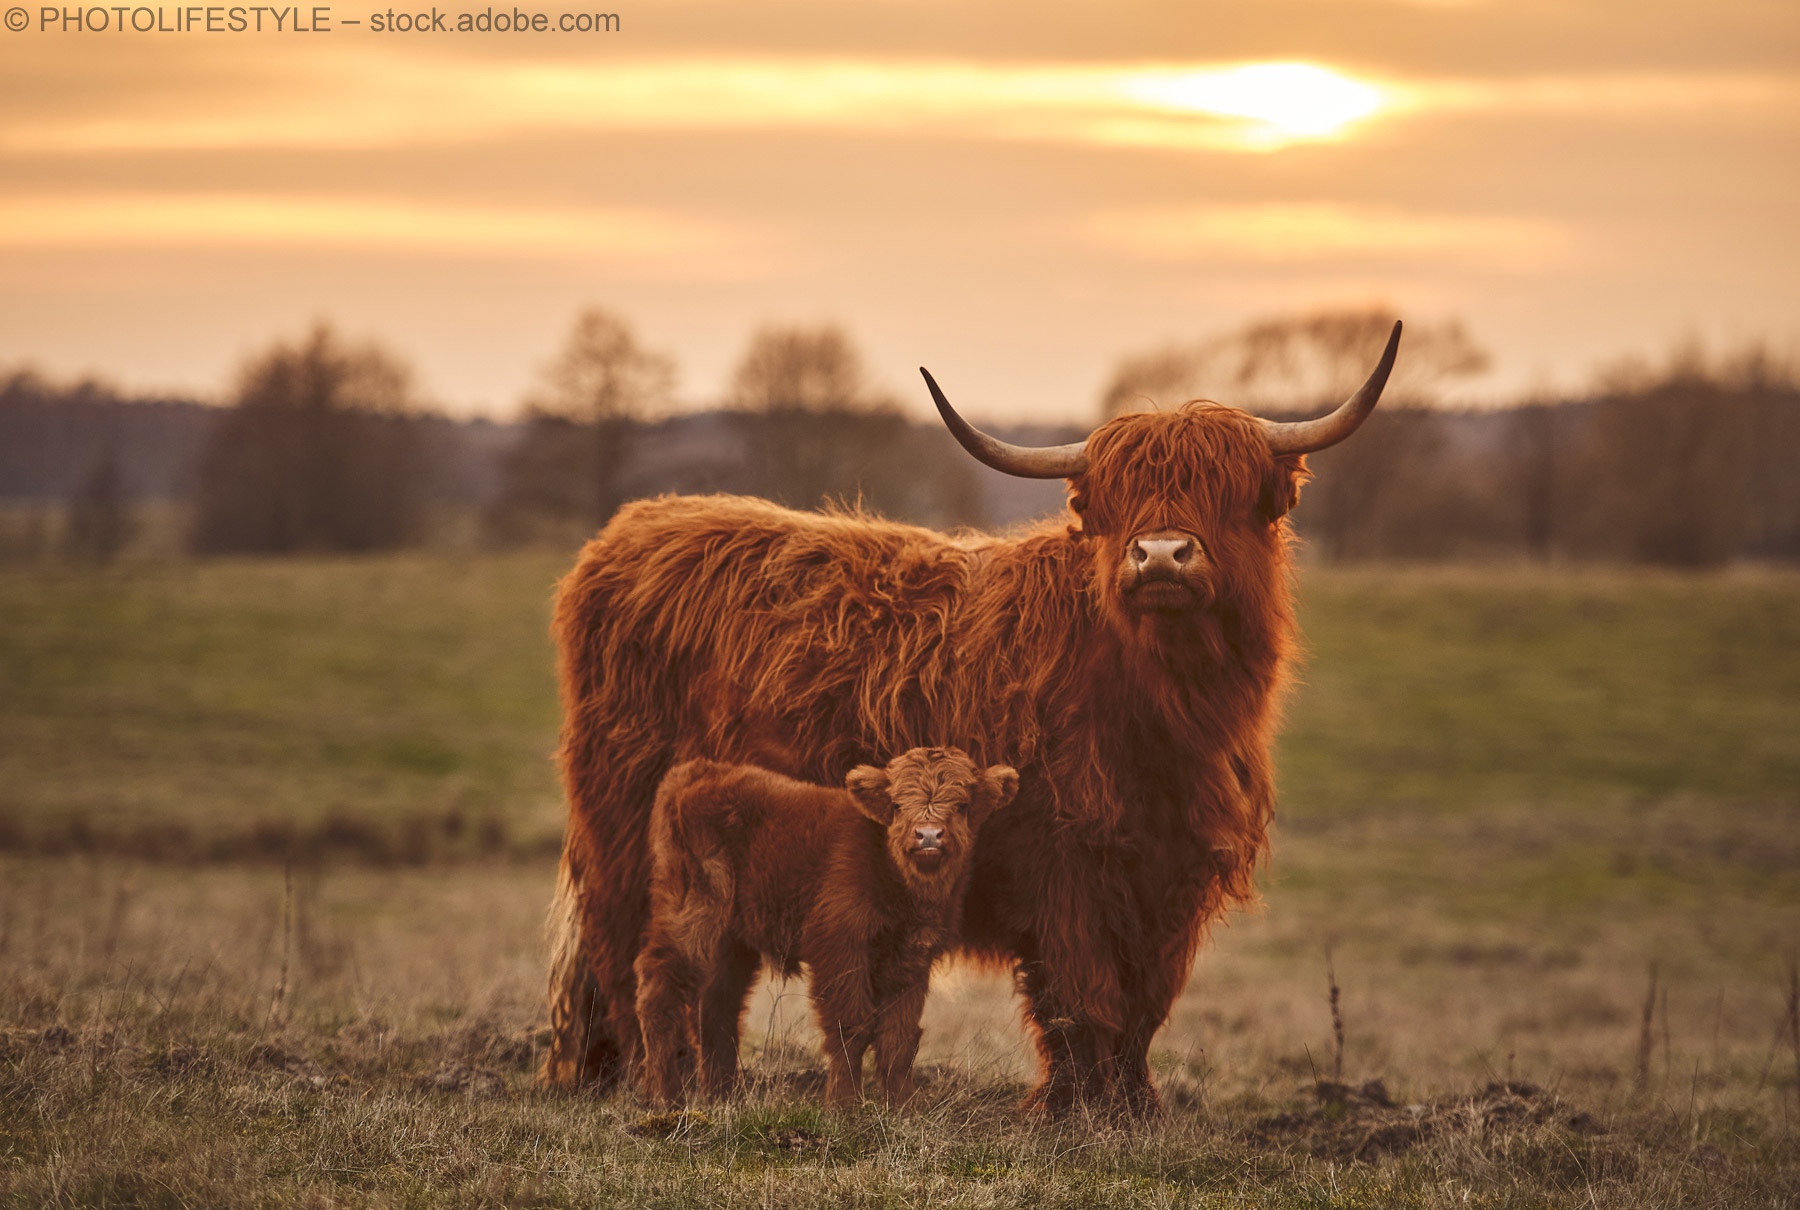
(1363, 1123)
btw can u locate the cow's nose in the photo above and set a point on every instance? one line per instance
(1165, 555)
(929, 838)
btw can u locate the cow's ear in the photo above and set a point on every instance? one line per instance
(1281, 487)
(997, 787)
(869, 787)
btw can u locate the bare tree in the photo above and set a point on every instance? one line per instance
(811, 424)
(1294, 364)
(320, 452)
(1691, 463)
(571, 464)
(1385, 494)
(99, 513)
(801, 370)
(816, 432)
(806, 404)
(1161, 378)
(1531, 466)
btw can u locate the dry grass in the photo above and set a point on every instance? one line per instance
(210, 1037)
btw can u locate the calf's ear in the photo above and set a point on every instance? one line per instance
(997, 787)
(869, 787)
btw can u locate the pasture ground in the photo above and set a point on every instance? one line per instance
(275, 844)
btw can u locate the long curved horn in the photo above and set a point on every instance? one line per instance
(1308, 436)
(1027, 462)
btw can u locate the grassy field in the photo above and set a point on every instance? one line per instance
(1507, 795)
(1464, 689)
(183, 705)
(222, 697)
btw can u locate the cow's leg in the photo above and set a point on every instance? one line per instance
(585, 1046)
(1172, 927)
(1046, 910)
(618, 1000)
(1074, 1052)
(1067, 1054)
(1150, 995)
(601, 908)
(1070, 977)
(722, 1016)
(1147, 1008)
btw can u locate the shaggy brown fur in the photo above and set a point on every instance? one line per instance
(1139, 717)
(748, 863)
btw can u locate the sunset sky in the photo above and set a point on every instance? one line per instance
(1014, 194)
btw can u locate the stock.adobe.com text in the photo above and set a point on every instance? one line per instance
(296, 19)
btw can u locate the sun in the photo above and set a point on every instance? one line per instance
(1291, 101)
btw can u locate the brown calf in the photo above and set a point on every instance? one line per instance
(749, 865)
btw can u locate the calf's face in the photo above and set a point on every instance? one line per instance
(931, 801)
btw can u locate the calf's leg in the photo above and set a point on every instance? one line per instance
(722, 1014)
(845, 1007)
(668, 983)
(897, 1035)
(845, 1047)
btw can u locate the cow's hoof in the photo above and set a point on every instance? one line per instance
(1051, 1101)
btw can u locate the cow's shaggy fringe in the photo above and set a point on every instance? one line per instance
(807, 643)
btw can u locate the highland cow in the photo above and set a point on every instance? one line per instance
(1126, 660)
(864, 885)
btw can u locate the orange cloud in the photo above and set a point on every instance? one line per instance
(1319, 231)
(356, 97)
(637, 238)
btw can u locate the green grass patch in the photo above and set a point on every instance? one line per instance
(1458, 689)
(224, 697)
(416, 694)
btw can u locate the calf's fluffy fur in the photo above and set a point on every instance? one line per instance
(864, 885)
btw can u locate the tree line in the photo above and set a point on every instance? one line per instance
(1687, 462)
(324, 449)
(326, 446)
